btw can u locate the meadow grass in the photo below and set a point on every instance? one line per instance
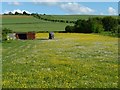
(70, 60)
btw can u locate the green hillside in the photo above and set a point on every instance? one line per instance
(29, 23)
(22, 23)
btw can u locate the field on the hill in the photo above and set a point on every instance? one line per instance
(71, 60)
(29, 23)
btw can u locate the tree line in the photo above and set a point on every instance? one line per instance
(39, 16)
(96, 25)
(23, 13)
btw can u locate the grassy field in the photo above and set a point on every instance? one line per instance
(28, 23)
(69, 61)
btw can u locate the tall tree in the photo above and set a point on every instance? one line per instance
(24, 13)
(10, 13)
(16, 13)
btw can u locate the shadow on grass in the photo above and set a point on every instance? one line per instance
(42, 39)
(46, 39)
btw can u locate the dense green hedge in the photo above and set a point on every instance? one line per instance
(96, 25)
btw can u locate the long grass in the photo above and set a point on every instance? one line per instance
(69, 61)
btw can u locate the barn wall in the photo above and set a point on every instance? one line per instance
(30, 35)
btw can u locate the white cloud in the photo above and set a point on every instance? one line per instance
(69, 7)
(19, 11)
(14, 3)
(112, 11)
(75, 8)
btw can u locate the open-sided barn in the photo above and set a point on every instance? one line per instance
(24, 36)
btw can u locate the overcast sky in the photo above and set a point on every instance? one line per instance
(61, 8)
